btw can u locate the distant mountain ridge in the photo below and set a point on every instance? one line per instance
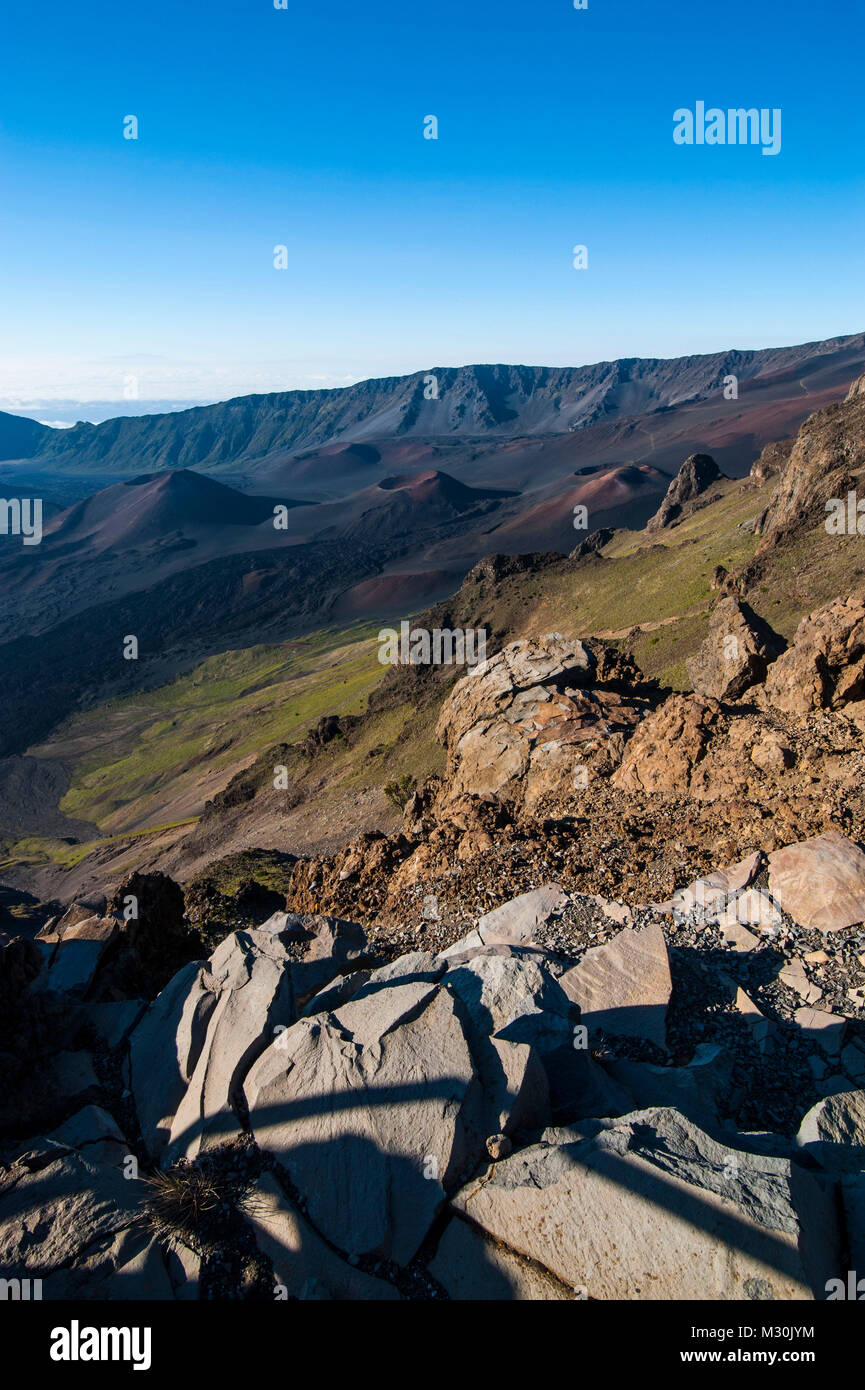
(474, 401)
(22, 438)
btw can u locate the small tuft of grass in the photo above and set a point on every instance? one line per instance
(193, 1203)
(399, 790)
(182, 1203)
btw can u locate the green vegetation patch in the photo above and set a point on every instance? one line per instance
(153, 756)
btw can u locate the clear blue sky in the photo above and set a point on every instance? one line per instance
(304, 127)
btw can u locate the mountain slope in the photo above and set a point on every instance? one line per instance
(471, 401)
(22, 438)
(128, 537)
(152, 506)
(650, 594)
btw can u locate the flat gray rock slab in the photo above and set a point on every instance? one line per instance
(833, 1131)
(300, 1257)
(130, 1266)
(737, 936)
(495, 989)
(252, 978)
(795, 976)
(824, 1029)
(50, 1216)
(820, 882)
(650, 1207)
(372, 1110)
(164, 1049)
(515, 922)
(91, 1131)
(184, 1271)
(624, 986)
(716, 889)
(470, 1266)
(752, 908)
(72, 966)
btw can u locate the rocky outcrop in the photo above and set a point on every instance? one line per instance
(593, 544)
(505, 1118)
(772, 461)
(833, 1132)
(192, 1049)
(667, 746)
(251, 978)
(693, 746)
(493, 568)
(164, 1050)
(695, 476)
(373, 1112)
(736, 653)
(553, 734)
(824, 667)
(304, 1266)
(128, 950)
(69, 1215)
(523, 722)
(826, 461)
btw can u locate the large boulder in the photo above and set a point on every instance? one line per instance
(374, 1112)
(523, 1029)
(824, 668)
(514, 923)
(716, 891)
(649, 1206)
(667, 746)
(139, 944)
(75, 951)
(164, 1049)
(593, 543)
(820, 882)
(695, 747)
(736, 653)
(191, 1051)
(471, 1266)
(522, 722)
(833, 1132)
(396, 1083)
(495, 991)
(70, 1211)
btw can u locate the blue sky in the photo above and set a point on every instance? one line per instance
(153, 259)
